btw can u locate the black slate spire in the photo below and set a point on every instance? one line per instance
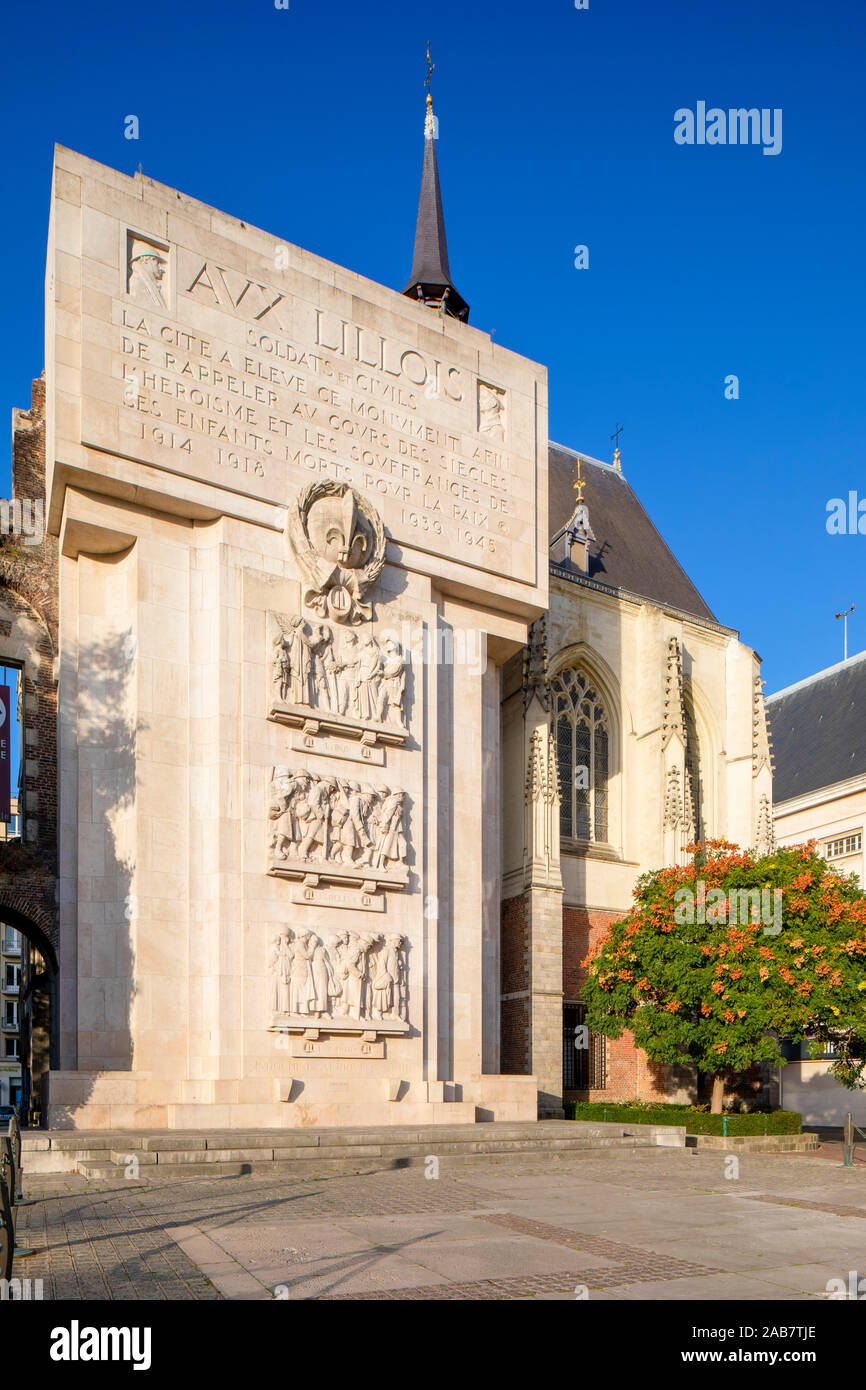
(430, 280)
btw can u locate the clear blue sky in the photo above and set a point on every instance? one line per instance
(556, 129)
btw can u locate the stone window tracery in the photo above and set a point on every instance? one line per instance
(581, 729)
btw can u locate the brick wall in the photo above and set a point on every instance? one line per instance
(630, 1073)
(29, 601)
(515, 1013)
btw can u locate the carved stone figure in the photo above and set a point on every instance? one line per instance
(301, 988)
(491, 411)
(395, 963)
(339, 542)
(387, 980)
(390, 840)
(354, 677)
(344, 839)
(369, 678)
(393, 684)
(317, 821)
(361, 807)
(339, 952)
(281, 968)
(347, 679)
(281, 667)
(325, 987)
(353, 972)
(146, 273)
(300, 685)
(289, 806)
(323, 686)
(381, 986)
(320, 819)
(353, 977)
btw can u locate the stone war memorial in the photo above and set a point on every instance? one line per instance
(302, 523)
(352, 706)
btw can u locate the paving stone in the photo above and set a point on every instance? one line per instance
(624, 1226)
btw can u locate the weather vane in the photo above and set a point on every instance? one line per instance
(429, 78)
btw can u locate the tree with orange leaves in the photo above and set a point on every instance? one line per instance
(722, 958)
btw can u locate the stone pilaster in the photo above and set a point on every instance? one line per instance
(543, 897)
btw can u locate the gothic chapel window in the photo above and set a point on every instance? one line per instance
(582, 734)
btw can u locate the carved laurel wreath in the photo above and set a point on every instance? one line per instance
(309, 557)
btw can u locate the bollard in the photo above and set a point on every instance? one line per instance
(848, 1142)
(724, 1126)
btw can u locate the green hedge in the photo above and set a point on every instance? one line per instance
(695, 1119)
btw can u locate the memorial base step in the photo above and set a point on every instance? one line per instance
(314, 1153)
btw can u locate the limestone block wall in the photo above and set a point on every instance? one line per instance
(207, 385)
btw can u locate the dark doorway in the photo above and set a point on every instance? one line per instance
(29, 990)
(583, 1054)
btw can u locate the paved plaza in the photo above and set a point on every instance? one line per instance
(646, 1224)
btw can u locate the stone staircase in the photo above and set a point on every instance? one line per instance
(317, 1152)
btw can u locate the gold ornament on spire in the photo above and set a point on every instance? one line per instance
(429, 78)
(579, 482)
(614, 439)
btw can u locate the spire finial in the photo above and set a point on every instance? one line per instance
(429, 119)
(579, 482)
(431, 278)
(615, 437)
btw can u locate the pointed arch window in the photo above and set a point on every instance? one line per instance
(581, 730)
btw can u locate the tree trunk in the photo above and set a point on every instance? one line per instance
(718, 1093)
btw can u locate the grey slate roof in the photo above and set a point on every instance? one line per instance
(628, 551)
(819, 729)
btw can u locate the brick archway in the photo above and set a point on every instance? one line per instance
(37, 997)
(18, 910)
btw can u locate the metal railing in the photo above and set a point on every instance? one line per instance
(11, 1197)
(7, 1211)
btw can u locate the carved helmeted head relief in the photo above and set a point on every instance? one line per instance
(491, 410)
(146, 270)
(339, 542)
